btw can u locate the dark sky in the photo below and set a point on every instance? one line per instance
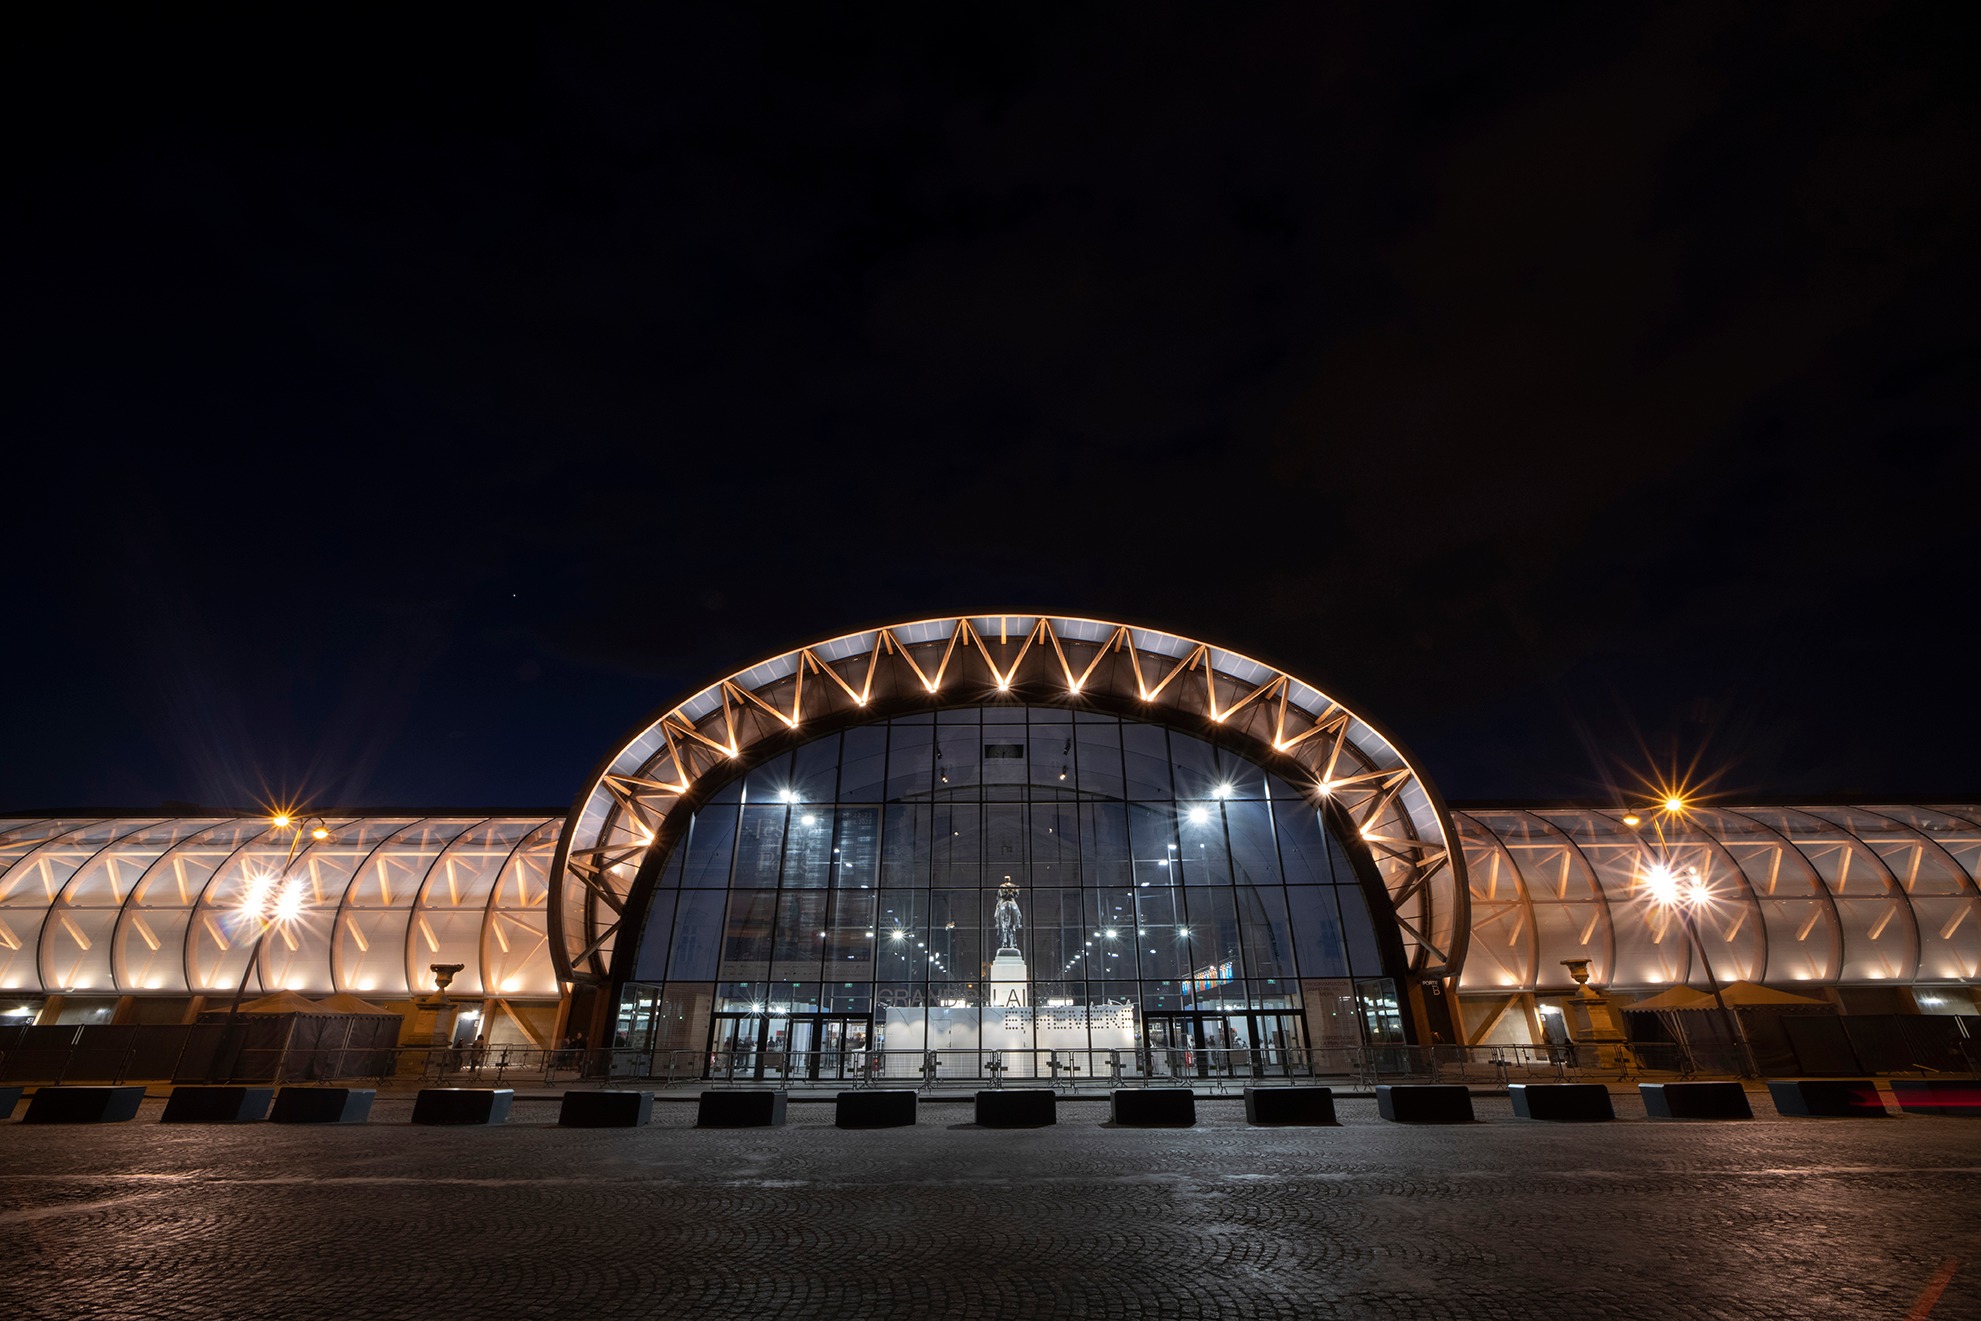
(393, 415)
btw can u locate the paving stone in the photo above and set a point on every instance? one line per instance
(1775, 1218)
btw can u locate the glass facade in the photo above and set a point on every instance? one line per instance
(148, 906)
(1844, 896)
(1007, 878)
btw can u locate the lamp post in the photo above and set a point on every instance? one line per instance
(1685, 900)
(270, 899)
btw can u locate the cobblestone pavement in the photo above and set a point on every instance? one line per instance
(1770, 1218)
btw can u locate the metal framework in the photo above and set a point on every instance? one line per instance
(1823, 895)
(1859, 896)
(150, 905)
(1286, 725)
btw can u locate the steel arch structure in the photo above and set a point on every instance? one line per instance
(1824, 895)
(1283, 723)
(150, 905)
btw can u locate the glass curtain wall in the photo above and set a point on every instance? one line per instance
(1007, 879)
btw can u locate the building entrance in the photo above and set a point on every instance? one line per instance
(806, 1047)
(1229, 1044)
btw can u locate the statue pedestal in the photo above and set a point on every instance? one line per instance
(431, 1026)
(1010, 984)
(1591, 1022)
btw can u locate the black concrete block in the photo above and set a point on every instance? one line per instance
(1424, 1103)
(322, 1105)
(463, 1105)
(605, 1109)
(741, 1108)
(1951, 1098)
(1695, 1100)
(217, 1105)
(1844, 1098)
(1566, 1102)
(1309, 1107)
(1153, 1107)
(892, 1108)
(1017, 1107)
(9, 1098)
(84, 1105)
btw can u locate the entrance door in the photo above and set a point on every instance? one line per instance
(791, 1047)
(782, 1047)
(842, 1052)
(736, 1046)
(1278, 1045)
(1227, 1040)
(1173, 1050)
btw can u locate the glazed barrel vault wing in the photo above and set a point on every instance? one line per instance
(1275, 719)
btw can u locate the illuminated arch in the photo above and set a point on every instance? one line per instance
(1290, 727)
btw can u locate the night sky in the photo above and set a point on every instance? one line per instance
(394, 415)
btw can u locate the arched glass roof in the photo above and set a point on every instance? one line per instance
(1285, 724)
(154, 905)
(1858, 895)
(1823, 895)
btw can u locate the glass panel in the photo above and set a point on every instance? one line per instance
(1049, 755)
(907, 845)
(1266, 937)
(711, 843)
(1360, 932)
(958, 843)
(770, 781)
(1104, 846)
(815, 770)
(801, 937)
(851, 936)
(856, 854)
(1145, 759)
(759, 846)
(863, 773)
(698, 937)
(808, 848)
(1196, 770)
(903, 917)
(1097, 759)
(1316, 927)
(150, 950)
(1254, 854)
(1162, 930)
(1034, 874)
(1201, 844)
(746, 936)
(1302, 849)
(910, 757)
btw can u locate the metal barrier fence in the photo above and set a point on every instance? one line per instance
(1218, 1069)
(207, 1053)
(350, 1051)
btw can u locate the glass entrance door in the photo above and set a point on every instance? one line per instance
(1278, 1045)
(1172, 1049)
(782, 1047)
(736, 1046)
(842, 1048)
(1231, 1044)
(787, 1046)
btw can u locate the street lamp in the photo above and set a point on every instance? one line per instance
(1684, 893)
(272, 898)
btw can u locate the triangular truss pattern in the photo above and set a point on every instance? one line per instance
(1269, 715)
